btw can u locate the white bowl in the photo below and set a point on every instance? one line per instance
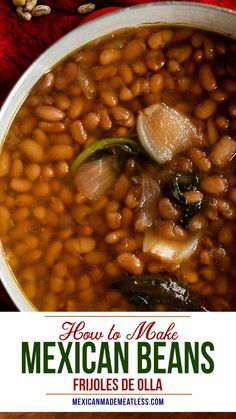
(207, 17)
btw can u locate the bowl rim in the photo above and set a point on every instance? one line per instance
(42, 65)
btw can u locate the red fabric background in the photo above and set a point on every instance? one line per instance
(22, 42)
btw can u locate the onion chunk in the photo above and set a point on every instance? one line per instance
(173, 251)
(95, 178)
(165, 132)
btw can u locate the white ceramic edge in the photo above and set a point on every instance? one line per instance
(195, 14)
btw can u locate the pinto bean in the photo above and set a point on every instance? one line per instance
(49, 113)
(160, 39)
(5, 162)
(126, 73)
(76, 107)
(62, 101)
(206, 78)
(78, 131)
(32, 171)
(215, 184)
(17, 168)
(51, 126)
(46, 82)
(167, 210)
(60, 152)
(32, 150)
(200, 159)
(133, 50)
(109, 55)
(109, 98)
(205, 109)
(80, 245)
(104, 72)
(5, 218)
(105, 121)
(223, 151)
(53, 252)
(130, 263)
(155, 60)
(180, 54)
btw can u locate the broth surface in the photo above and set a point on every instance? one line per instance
(67, 240)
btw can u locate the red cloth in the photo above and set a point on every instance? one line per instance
(22, 42)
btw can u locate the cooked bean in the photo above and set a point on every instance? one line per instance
(23, 199)
(105, 121)
(95, 257)
(61, 168)
(180, 54)
(197, 222)
(226, 235)
(126, 73)
(218, 95)
(32, 150)
(46, 82)
(115, 236)
(20, 214)
(104, 72)
(109, 98)
(62, 101)
(78, 132)
(32, 171)
(198, 55)
(60, 152)
(222, 122)
(160, 39)
(139, 86)
(215, 184)
(205, 109)
(223, 151)
(209, 49)
(197, 39)
(28, 124)
(91, 121)
(169, 230)
(212, 133)
(125, 94)
(232, 109)
(20, 185)
(193, 197)
(139, 67)
(80, 245)
(167, 210)
(17, 168)
(49, 113)
(156, 83)
(130, 263)
(155, 60)
(189, 275)
(5, 162)
(109, 56)
(53, 252)
(199, 159)
(76, 107)
(207, 78)
(133, 49)
(113, 220)
(51, 126)
(184, 83)
(121, 188)
(5, 218)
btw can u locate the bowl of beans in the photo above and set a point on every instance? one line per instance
(117, 167)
